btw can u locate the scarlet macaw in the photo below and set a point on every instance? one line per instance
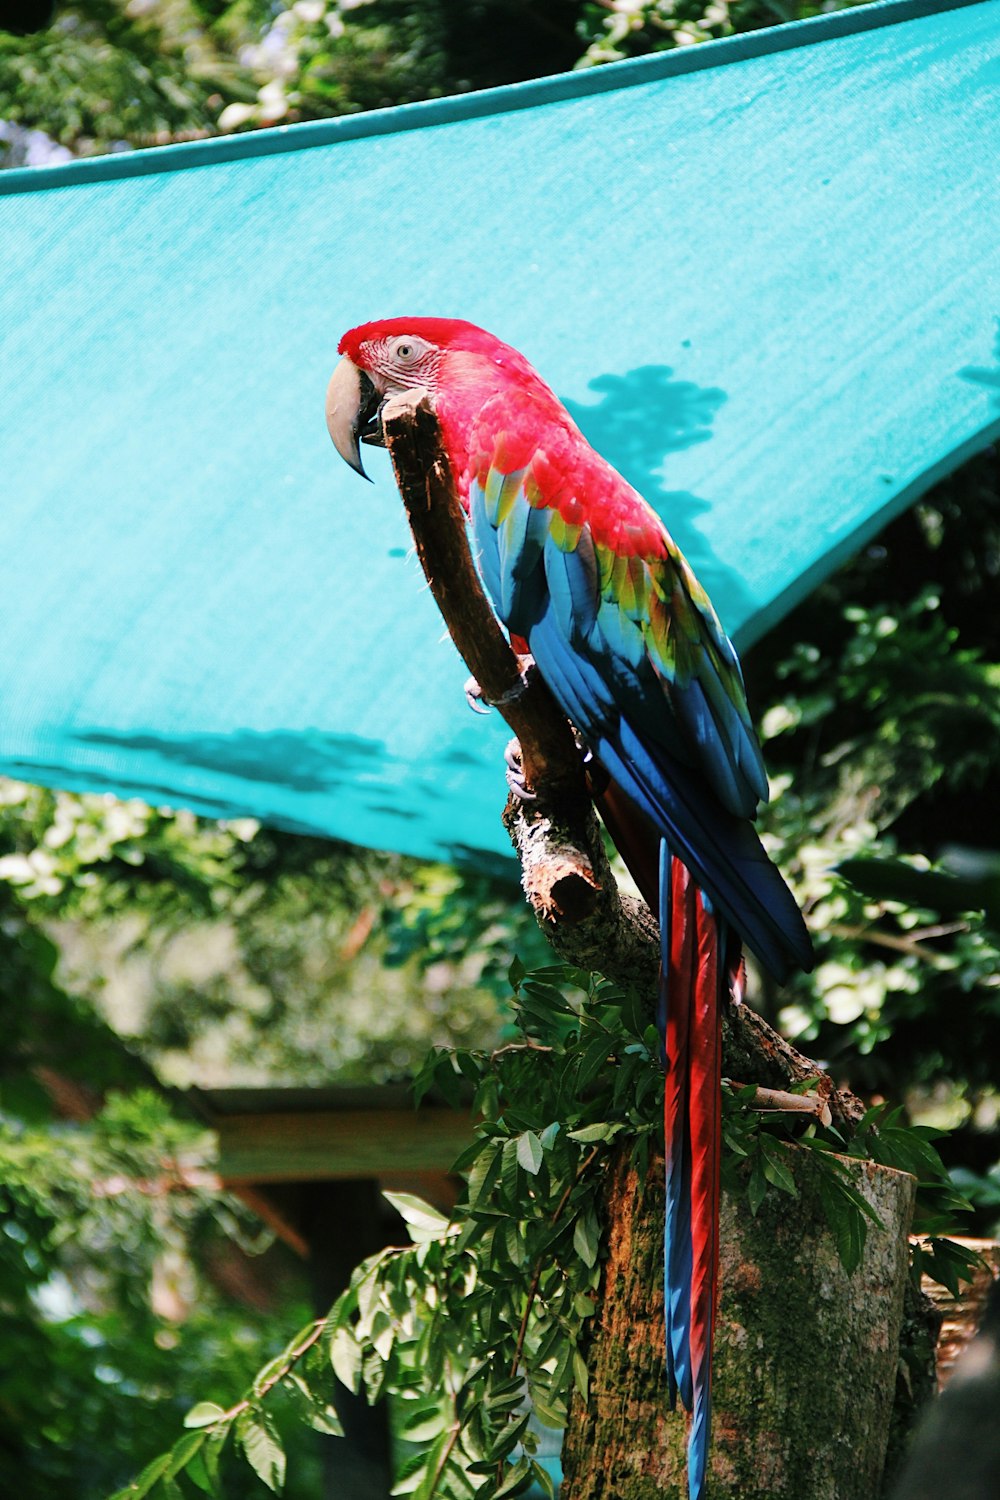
(583, 571)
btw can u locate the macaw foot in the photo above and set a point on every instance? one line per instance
(474, 696)
(515, 774)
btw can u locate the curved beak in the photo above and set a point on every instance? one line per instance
(352, 406)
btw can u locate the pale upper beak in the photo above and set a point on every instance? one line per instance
(352, 406)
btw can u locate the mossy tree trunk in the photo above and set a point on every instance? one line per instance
(805, 1355)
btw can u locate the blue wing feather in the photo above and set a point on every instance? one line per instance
(573, 583)
(520, 540)
(686, 755)
(484, 543)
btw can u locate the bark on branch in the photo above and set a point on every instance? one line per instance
(565, 870)
(437, 520)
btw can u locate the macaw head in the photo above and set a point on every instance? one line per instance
(459, 365)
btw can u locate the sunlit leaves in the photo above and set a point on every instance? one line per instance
(529, 1152)
(757, 1159)
(881, 749)
(262, 1448)
(617, 32)
(477, 1324)
(203, 1414)
(424, 1223)
(474, 1327)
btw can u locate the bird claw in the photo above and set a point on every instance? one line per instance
(515, 774)
(474, 696)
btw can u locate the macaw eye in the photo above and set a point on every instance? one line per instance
(405, 351)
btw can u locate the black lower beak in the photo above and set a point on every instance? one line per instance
(368, 426)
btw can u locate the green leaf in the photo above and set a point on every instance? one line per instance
(895, 880)
(508, 1438)
(323, 1418)
(423, 1422)
(448, 1080)
(550, 1413)
(470, 1065)
(529, 1152)
(484, 1175)
(907, 1148)
(847, 1223)
(593, 1060)
(183, 1451)
(345, 1356)
(514, 1242)
(514, 1480)
(428, 1487)
(198, 1473)
(153, 1471)
(581, 1378)
(757, 1186)
(410, 1475)
(508, 1170)
(263, 1449)
(586, 1239)
(951, 1264)
(544, 1480)
(776, 1168)
(210, 1456)
(423, 1222)
(204, 1414)
(382, 1334)
(604, 1131)
(423, 1079)
(462, 1163)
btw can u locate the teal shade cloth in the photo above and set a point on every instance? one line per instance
(763, 273)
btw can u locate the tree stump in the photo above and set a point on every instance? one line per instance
(805, 1355)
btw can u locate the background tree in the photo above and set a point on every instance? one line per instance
(99, 75)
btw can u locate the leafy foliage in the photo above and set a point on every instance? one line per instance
(114, 1233)
(106, 73)
(109, 1230)
(881, 704)
(475, 1329)
(619, 29)
(102, 74)
(757, 1160)
(236, 954)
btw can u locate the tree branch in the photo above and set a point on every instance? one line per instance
(437, 520)
(565, 870)
(562, 858)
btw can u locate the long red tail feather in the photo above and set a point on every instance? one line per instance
(698, 958)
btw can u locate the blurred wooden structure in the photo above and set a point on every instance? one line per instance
(280, 1149)
(961, 1315)
(313, 1163)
